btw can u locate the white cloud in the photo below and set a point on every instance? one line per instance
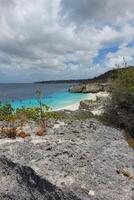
(96, 11)
(36, 39)
(117, 58)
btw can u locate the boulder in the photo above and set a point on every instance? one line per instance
(77, 88)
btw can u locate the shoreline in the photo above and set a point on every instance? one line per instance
(75, 106)
(71, 107)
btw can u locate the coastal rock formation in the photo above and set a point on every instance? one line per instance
(91, 160)
(97, 106)
(89, 88)
(21, 182)
(92, 88)
(77, 88)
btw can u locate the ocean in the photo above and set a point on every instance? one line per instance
(55, 95)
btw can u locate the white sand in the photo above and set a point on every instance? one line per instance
(75, 106)
(72, 107)
(92, 97)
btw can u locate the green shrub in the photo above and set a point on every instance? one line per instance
(120, 111)
(29, 113)
(6, 112)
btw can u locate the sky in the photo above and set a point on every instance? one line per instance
(64, 39)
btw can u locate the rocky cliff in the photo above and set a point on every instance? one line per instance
(99, 83)
(89, 88)
(91, 160)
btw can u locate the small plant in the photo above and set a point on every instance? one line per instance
(43, 108)
(22, 117)
(23, 134)
(7, 114)
(10, 132)
(6, 111)
(40, 131)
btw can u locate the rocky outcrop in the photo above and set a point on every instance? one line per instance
(21, 182)
(86, 157)
(87, 105)
(92, 88)
(98, 105)
(89, 88)
(77, 88)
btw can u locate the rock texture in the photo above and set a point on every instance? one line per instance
(80, 156)
(98, 105)
(89, 88)
(92, 88)
(21, 182)
(77, 88)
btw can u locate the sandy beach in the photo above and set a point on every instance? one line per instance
(75, 106)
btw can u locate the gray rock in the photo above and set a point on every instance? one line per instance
(86, 88)
(21, 183)
(77, 88)
(81, 156)
(92, 106)
(92, 88)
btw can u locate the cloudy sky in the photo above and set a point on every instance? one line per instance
(64, 39)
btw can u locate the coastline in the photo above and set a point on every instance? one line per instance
(71, 107)
(75, 106)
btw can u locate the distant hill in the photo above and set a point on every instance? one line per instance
(63, 81)
(111, 74)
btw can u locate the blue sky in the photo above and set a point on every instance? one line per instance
(102, 53)
(130, 44)
(64, 39)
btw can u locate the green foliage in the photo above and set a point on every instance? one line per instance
(121, 109)
(42, 106)
(6, 112)
(55, 115)
(124, 82)
(30, 113)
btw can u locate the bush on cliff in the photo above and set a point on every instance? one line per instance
(120, 111)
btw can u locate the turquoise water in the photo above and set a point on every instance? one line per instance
(56, 101)
(55, 95)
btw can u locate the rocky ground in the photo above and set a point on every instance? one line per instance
(85, 157)
(20, 182)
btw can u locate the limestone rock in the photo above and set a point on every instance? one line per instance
(92, 88)
(76, 88)
(20, 182)
(87, 88)
(97, 106)
(82, 156)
